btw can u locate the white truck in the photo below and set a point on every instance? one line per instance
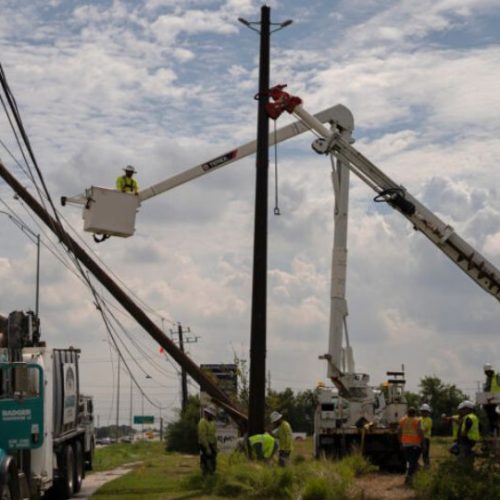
(46, 426)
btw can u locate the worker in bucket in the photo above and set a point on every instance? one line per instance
(411, 438)
(468, 433)
(126, 183)
(283, 431)
(207, 441)
(426, 423)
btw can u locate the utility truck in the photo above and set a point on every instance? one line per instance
(46, 426)
(353, 414)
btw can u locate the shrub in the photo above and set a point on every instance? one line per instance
(451, 480)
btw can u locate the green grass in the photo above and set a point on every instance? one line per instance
(118, 454)
(175, 476)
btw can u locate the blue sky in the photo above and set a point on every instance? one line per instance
(166, 85)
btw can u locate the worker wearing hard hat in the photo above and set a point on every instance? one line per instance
(126, 183)
(283, 431)
(411, 437)
(426, 424)
(468, 433)
(207, 441)
(491, 385)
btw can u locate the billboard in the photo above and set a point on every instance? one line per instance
(226, 377)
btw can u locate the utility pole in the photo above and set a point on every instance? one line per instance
(258, 332)
(183, 340)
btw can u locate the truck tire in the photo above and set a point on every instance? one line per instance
(79, 472)
(10, 489)
(66, 481)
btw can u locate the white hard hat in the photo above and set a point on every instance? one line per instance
(468, 404)
(130, 168)
(460, 406)
(210, 410)
(497, 409)
(425, 407)
(275, 416)
(487, 367)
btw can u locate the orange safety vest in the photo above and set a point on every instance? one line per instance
(410, 435)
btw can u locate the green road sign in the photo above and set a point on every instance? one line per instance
(144, 419)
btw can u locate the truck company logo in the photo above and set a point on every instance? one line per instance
(14, 415)
(218, 162)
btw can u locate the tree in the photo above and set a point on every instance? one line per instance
(443, 398)
(182, 435)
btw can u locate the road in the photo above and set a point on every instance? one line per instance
(94, 481)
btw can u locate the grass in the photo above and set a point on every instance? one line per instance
(164, 475)
(118, 454)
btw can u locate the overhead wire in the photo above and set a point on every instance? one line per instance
(98, 299)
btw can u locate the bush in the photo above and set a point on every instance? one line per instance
(451, 480)
(238, 477)
(182, 435)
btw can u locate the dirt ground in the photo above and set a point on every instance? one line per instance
(380, 486)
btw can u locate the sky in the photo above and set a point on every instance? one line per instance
(166, 85)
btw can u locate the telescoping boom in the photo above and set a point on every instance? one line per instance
(466, 257)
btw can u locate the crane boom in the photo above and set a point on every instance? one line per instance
(465, 256)
(339, 114)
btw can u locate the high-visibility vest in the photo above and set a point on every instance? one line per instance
(427, 427)
(285, 436)
(207, 433)
(410, 431)
(129, 184)
(473, 433)
(495, 386)
(455, 423)
(267, 442)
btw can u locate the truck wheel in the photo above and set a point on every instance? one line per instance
(67, 473)
(10, 490)
(79, 473)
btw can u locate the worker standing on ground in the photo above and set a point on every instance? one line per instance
(468, 433)
(126, 183)
(283, 431)
(411, 437)
(426, 423)
(491, 385)
(207, 441)
(262, 446)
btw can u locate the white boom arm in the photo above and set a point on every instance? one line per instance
(466, 257)
(336, 114)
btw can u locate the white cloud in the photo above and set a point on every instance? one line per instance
(166, 86)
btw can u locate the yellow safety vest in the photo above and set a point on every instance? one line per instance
(129, 184)
(207, 433)
(409, 431)
(495, 386)
(267, 442)
(455, 423)
(427, 427)
(285, 436)
(473, 433)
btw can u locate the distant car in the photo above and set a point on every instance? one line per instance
(126, 439)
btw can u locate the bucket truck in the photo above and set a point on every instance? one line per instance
(46, 425)
(354, 408)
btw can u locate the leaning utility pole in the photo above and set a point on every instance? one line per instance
(121, 296)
